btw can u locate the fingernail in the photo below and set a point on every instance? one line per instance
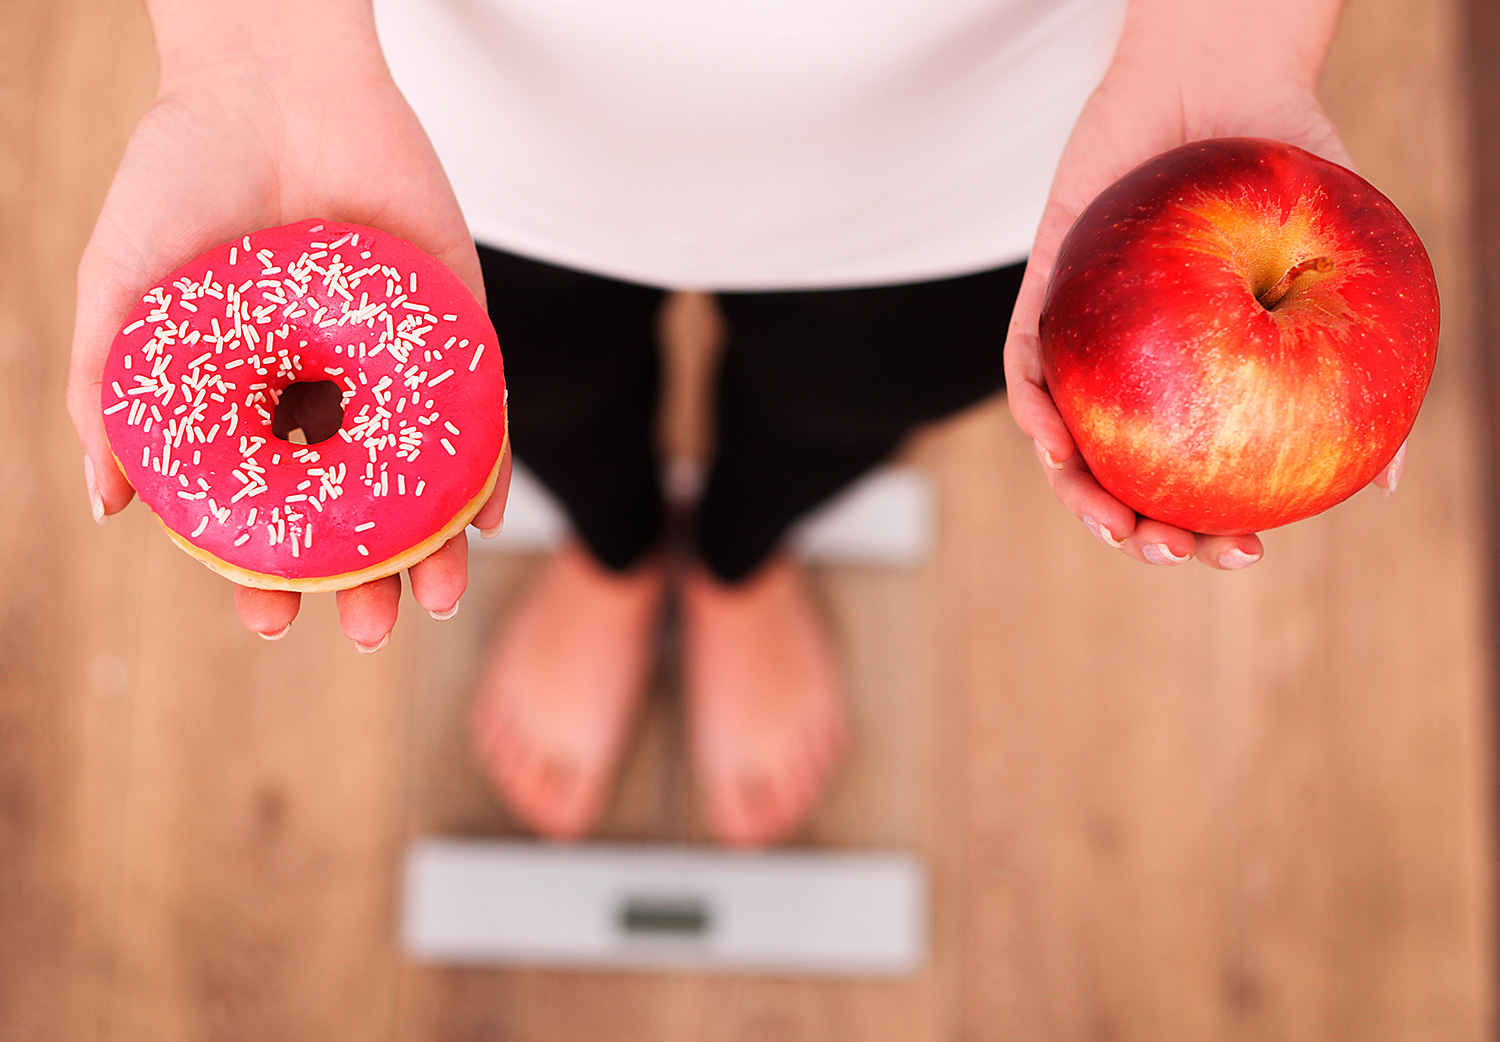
(278, 634)
(1160, 553)
(1393, 472)
(370, 649)
(1041, 450)
(1234, 557)
(1101, 533)
(490, 533)
(444, 616)
(96, 501)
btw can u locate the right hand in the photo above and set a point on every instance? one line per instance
(247, 143)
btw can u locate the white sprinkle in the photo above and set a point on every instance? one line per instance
(451, 429)
(401, 484)
(362, 550)
(242, 539)
(450, 318)
(234, 255)
(421, 484)
(475, 360)
(449, 446)
(202, 524)
(137, 324)
(364, 527)
(116, 408)
(246, 242)
(413, 282)
(440, 378)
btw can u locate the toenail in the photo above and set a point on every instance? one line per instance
(278, 634)
(444, 616)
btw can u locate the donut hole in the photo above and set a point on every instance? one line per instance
(308, 411)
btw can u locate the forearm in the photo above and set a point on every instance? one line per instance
(1230, 42)
(197, 35)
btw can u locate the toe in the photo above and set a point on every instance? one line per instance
(759, 809)
(567, 808)
(733, 808)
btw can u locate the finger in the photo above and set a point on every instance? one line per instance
(105, 294)
(1230, 552)
(1026, 382)
(144, 231)
(1110, 521)
(1158, 543)
(367, 613)
(491, 516)
(439, 581)
(1031, 404)
(267, 612)
(1390, 477)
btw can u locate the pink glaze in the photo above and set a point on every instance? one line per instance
(196, 371)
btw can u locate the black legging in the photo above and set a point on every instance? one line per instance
(814, 388)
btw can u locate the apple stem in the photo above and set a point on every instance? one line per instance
(1273, 296)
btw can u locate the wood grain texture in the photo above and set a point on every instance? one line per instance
(1250, 805)
(66, 628)
(1156, 804)
(1481, 29)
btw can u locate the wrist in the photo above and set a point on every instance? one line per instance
(1221, 46)
(194, 37)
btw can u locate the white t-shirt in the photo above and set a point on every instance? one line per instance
(752, 144)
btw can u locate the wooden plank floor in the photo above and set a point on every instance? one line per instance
(1157, 805)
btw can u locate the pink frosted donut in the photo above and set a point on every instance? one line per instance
(283, 328)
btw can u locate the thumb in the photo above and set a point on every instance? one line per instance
(105, 294)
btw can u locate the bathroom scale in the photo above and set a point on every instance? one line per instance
(523, 903)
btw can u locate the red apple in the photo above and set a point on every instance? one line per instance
(1239, 335)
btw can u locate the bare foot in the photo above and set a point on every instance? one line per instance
(566, 674)
(765, 708)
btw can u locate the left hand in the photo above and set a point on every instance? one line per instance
(1144, 106)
